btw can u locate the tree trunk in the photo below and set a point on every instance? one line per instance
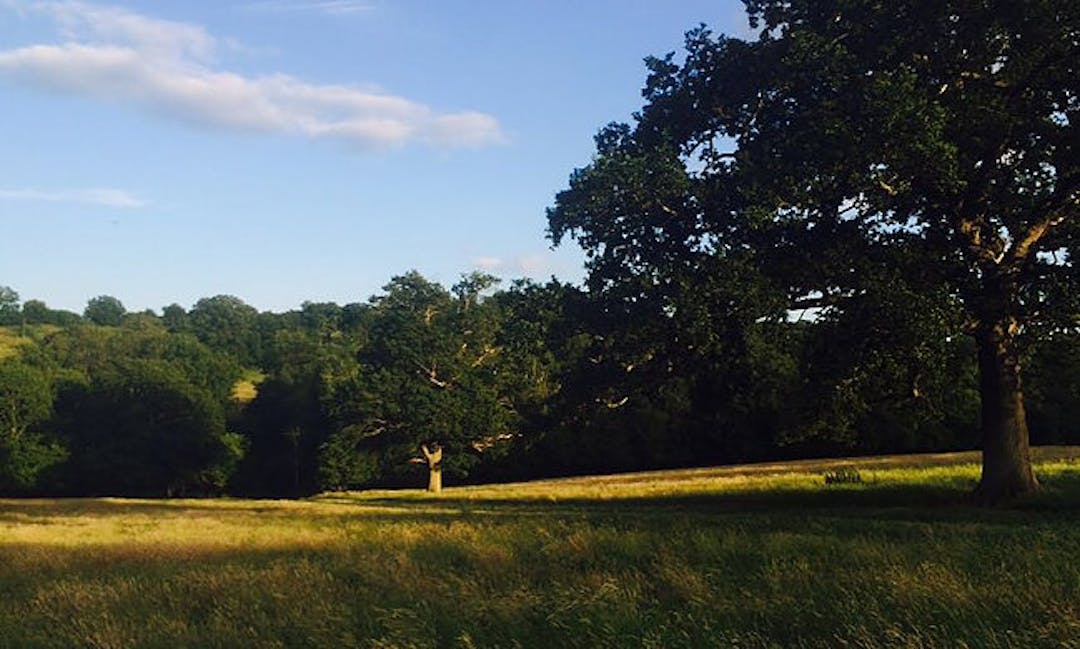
(434, 484)
(1006, 464)
(434, 462)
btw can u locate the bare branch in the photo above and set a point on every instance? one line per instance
(432, 376)
(486, 354)
(612, 405)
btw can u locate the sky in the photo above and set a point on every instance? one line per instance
(285, 151)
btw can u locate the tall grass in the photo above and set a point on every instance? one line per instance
(746, 557)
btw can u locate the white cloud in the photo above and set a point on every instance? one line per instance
(487, 263)
(533, 264)
(329, 7)
(102, 197)
(96, 24)
(167, 68)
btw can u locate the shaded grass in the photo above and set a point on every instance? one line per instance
(683, 559)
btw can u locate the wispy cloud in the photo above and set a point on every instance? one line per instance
(169, 68)
(530, 265)
(329, 7)
(487, 263)
(534, 264)
(102, 197)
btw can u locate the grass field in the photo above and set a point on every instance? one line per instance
(756, 556)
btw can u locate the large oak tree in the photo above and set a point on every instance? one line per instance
(854, 145)
(427, 387)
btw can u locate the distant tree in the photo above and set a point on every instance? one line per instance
(90, 351)
(26, 401)
(288, 421)
(1054, 373)
(35, 312)
(139, 427)
(143, 321)
(227, 324)
(852, 143)
(427, 389)
(9, 306)
(323, 319)
(25, 398)
(175, 318)
(105, 310)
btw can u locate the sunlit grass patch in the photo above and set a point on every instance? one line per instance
(741, 556)
(245, 390)
(934, 476)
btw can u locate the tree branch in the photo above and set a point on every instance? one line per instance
(486, 354)
(430, 373)
(1023, 247)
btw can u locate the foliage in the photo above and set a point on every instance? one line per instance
(226, 324)
(800, 160)
(25, 398)
(25, 460)
(9, 306)
(140, 427)
(1053, 377)
(105, 310)
(26, 402)
(427, 374)
(36, 312)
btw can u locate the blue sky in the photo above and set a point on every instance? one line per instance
(292, 150)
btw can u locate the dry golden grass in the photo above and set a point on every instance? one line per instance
(743, 557)
(247, 387)
(797, 477)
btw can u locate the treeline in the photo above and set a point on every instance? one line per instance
(531, 380)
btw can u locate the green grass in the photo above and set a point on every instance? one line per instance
(757, 556)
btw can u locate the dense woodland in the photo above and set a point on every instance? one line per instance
(853, 233)
(526, 381)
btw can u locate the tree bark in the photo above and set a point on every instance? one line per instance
(1006, 454)
(434, 462)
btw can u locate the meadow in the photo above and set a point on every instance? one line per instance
(889, 554)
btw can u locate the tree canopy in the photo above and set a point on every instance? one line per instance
(854, 147)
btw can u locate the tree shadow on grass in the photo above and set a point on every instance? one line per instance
(1059, 498)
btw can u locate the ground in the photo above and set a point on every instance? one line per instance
(891, 555)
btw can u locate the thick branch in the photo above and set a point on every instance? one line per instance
(1024, 246)
(433, 457)
(986, 252)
